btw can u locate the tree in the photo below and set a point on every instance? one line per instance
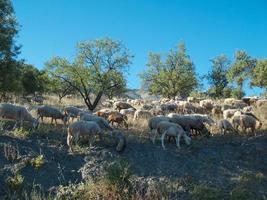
(217, 76)
(259, 75)
(8, 49)
(32, 80)
(95, 69)
(120, 89)
(241, 70)
(172, 77)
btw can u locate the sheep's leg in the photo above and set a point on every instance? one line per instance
(178, 141)
(162, 139)
(52, 119)
(155, 135)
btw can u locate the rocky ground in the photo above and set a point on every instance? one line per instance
(217, 161)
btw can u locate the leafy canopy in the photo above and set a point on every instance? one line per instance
(97, 69)
(170, 77)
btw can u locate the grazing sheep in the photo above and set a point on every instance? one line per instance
(152, 124)
(81, 129)
(120, 140)
(99, 120)
(71, 112)
(189, 123)
(47, 111)
(156, 111)
(122, 105)
(118, 118)
(17, 113)
(128, 112)
(142, 114)
(207, 104)
(227, 114)
(170, 129)
(224, 125)
(247, 109)
(216, 111)
(248, 121)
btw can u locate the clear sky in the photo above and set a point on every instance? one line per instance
(207, 27)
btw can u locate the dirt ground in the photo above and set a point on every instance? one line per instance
(216, 160)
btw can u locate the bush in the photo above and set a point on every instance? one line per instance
(21, 133)
(38, 162)
(15, 182)
(118, 176)
(200, 192)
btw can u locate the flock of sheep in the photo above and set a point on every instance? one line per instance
(166, 118)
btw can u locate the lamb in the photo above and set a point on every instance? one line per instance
(71, 112)
(47, 111)
(142, 114)
(80, 129)
(118, 118)
(17, 113)
(165, 128)
(99, 120)
(224, 125)
(153, 122)
(121, 105)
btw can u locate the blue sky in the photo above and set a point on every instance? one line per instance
(208, 28)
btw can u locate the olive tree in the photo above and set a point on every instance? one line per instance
(241, 70)
(170, 77)
(95, 69)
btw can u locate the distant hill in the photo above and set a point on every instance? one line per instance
(139, 94)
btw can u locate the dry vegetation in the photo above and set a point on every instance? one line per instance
(36, 164)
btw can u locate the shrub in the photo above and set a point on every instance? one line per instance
(21, 133)
(200, 192)
(118, 176)
(38, 162)
(15, 182)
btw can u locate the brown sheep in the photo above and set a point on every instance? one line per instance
(118, 118)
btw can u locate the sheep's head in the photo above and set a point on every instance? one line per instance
(187, 139)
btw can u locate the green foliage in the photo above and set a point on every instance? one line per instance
(249, 186)
(15, 182)
(237, 93)
(201, 192)
(21, 132)
(241, 69)
(98, 69)
(172, 77)
(32, 79)
(8, 50)
(259, 75)
(118, 175)
(38, 162)
(217, 76)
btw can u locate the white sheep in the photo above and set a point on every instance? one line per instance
(152, 124)
(227, 114)
(71, 111)
(99, 120)
(248, 121)
(128, 112)
(170, 129)
(142, 114)
(224, 125)
(17, 113)
(81, 129)
(47, 111)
